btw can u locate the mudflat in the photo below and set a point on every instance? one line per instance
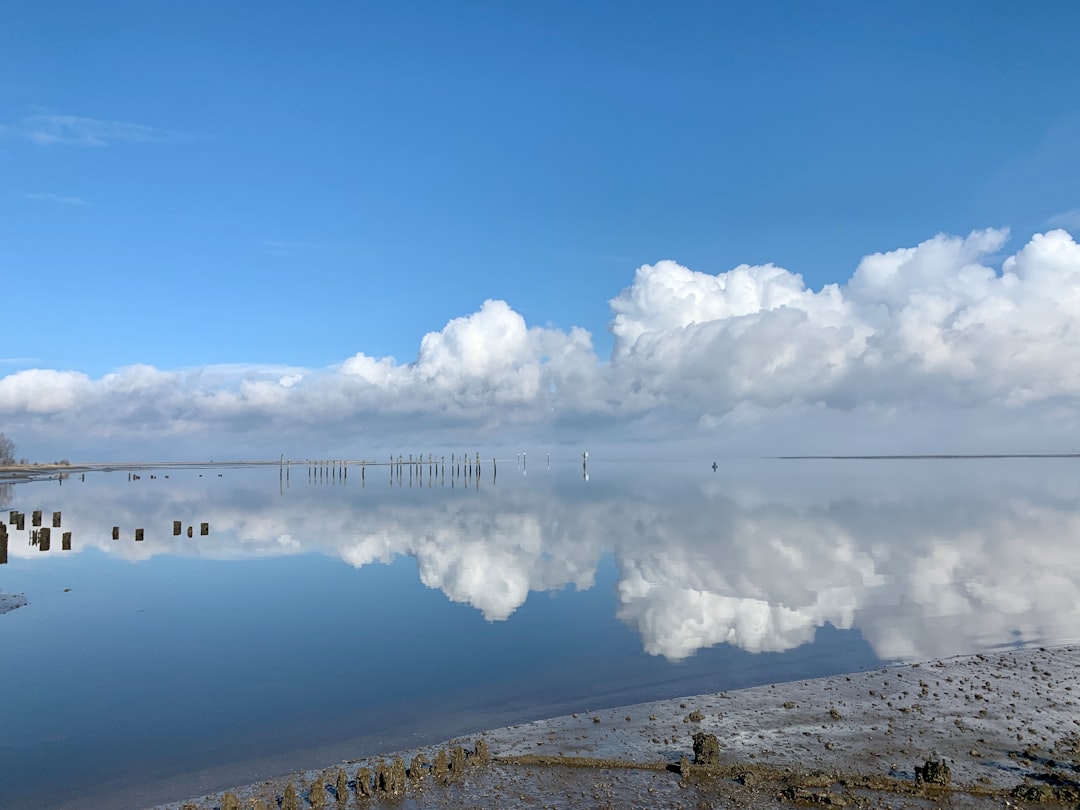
(971, 731)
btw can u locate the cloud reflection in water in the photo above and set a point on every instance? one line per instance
(924, 558)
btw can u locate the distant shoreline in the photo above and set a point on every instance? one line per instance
(26, 472)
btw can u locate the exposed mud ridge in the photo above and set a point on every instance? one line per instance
(971, 732)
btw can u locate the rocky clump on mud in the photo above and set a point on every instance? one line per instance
(933, 772)
(706, 749)
(1044, 792)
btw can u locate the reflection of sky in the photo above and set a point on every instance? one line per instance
(543, 593)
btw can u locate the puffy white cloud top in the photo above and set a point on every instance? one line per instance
(927, 335)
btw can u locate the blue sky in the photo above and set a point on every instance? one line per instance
(250, 186)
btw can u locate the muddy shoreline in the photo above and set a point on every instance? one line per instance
(971, 731)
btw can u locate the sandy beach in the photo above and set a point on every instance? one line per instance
(974, 731)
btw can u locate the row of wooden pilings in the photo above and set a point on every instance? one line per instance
(461, 467)
(40, 536)
(387, 780)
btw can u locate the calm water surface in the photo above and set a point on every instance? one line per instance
(326, 618)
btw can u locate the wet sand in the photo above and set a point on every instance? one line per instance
(1005, 726)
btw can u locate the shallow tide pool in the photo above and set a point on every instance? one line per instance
(328, 615)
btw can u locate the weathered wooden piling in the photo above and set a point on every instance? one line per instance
(56, 520)
(204, 529)
(3, 546)
(363, 783)
(44, 539)
(481, 752)
(20, 522)
(12, 515)
(417, 768)
(341, 786)
(65, 541)
(382, 777)
(439, 769)
(138, 535)
(288, 801)
(115, 532)
(317, 794)
(177, 527)
(457, 761)
(35, 519)
(190, 531)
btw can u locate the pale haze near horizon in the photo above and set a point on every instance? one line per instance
(785, 229)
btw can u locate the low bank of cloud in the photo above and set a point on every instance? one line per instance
(920, 346)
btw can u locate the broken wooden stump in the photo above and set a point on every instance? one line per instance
(317, 794)
(341, 786)
(418, 768)
(288, 801)
(457, 761)
(440, 770)
(481, 753)
(363, 783)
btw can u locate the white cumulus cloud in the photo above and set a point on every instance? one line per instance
(947, 333)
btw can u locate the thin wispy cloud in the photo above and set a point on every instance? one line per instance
(59, 199)
(1067, 219)
(51, 129)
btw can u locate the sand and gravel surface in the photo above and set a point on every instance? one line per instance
(990, 730)
(11, 601)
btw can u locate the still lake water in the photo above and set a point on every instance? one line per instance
(322, 619)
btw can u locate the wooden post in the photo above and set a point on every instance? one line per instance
(115, 532)
(3, 546)
(56, 520)
(65, 541)
(190, 533)
(44, 539)
(35, 519)
(363, 783)
(177, 527)
(138, 535)
(204, 529)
